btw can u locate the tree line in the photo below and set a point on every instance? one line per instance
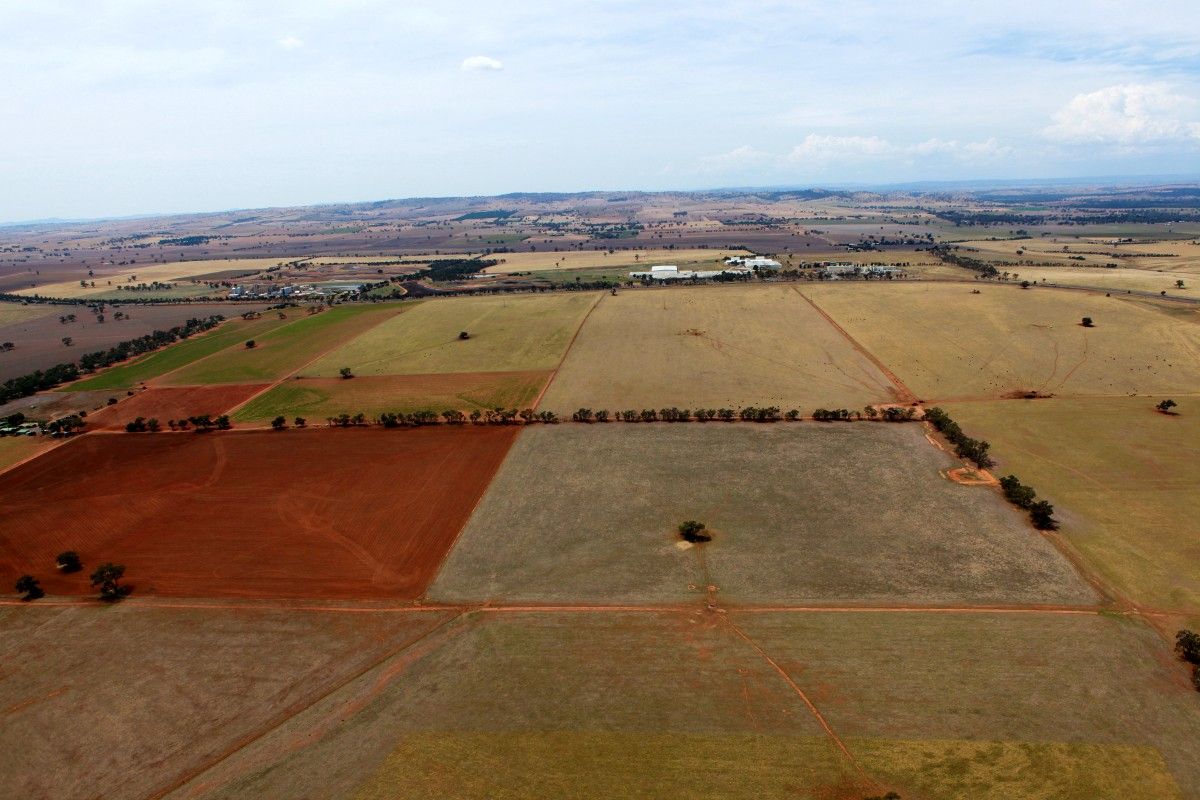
(529, 416)
(40, 380)
(974, 450)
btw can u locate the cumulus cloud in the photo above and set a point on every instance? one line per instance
(475, 63)
(290, 43)
(1127, 114)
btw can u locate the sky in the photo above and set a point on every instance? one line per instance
(122, 107)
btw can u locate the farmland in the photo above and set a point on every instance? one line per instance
(162, 505)
(945, 342)
(507, 333)
(713, 346)
(318, 398)
(284, 349)
(125, 729)
(1122, 477)
(565, 522)
(173, 403)
(541, 704)
(38, 342)
(633, 258)
(509, 608)
(233, 333)
(108, 281)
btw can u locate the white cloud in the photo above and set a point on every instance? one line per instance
(290, 43)
(822, 150)
(1127, 114)
(480, 63)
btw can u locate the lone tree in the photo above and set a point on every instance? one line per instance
(345, 373)
(68, 561)
(68, 341)
(694, 532)
(107, 576)
(464, 335)
(28, 586)
(279, 423)
(251, 344)
(1166, 405)
(1087, 322)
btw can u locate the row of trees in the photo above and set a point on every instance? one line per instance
(1041, 513)
(528, 416)
(106, 577)
(975, 450)
(201, 423)
(40, 380)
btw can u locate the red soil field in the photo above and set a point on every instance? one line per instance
(169, 403)
(337, 514)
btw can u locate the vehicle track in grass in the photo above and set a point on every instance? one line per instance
(537, 401)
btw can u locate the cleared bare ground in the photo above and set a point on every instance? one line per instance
(855, 512)
(712, 346)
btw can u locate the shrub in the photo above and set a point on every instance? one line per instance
(29, 586)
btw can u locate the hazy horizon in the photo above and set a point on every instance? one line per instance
(115, 108)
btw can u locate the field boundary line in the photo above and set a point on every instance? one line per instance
(294, 710)
(537, 401)
(231, 411)
(906, 394)
(816, 712)
(40, 453)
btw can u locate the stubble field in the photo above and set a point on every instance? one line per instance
(946, 342)
(801, 513)
(713, 346)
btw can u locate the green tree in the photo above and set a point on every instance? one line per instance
(1187, 645)
(1042, 514)
(279, 423)
(1166, 405)
(694, 532)
(108, 576)
(251, 344)
(346, 373)
(28, 586)
(300, 422)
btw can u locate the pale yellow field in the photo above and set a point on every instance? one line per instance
(579, 259)
(148, 273)
(1160, 256)
(16, 312)
(1120, 279)
(943, 341)
(507, 333)
(1122, 479)
(712, 346)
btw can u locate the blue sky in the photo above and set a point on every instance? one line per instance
(112, 107)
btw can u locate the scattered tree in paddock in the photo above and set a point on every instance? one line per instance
(67, 341)
(68, 561)
(1166, 405)
(464, 335)
(251, 344)
(300, 422)
(29, 586)
(1087, 322)
(346, 373)
(694, 532)
(108, 576)
(279, 423)
(1187, 646)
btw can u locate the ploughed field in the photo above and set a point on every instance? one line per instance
(252, 514)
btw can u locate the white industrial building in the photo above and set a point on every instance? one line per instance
(753, 262)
